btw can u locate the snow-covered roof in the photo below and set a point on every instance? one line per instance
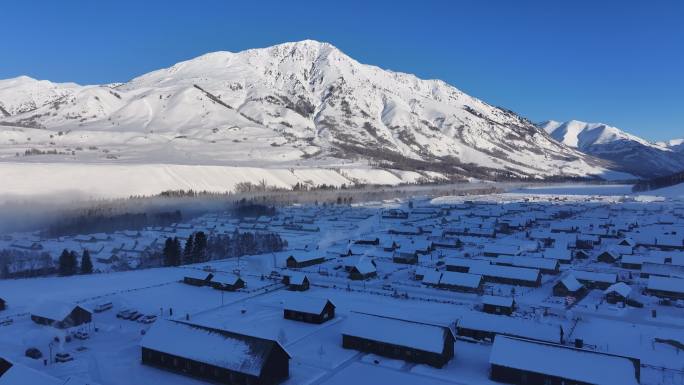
(226, 278)
(18, 374)
(511, 326)
(395, 331)
(620, 288)
(222, 348)
(365, 266)
(502, 249)
(305, 257)
(55, 310)
(583, 275)
(497, 300)
(432, 277)
(453, 278)
(465, 262)
(306, 304)
(531, 262)
(510, 272)
(553, 360)
(571, 283)
(296, 278)
(675, 285)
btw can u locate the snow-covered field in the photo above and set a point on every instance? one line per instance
(122, 180)
(540, 227)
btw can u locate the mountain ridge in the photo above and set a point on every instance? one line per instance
(630, 153)
(299, 102)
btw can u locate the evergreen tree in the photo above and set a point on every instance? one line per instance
(68, 263)
(176, 252)
(200, 247)
(86, 263)
(73, 262)
(189, 248)
(64, 263)
(167, 254)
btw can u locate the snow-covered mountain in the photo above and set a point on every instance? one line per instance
(298, 104)
(631, 153)
(674, 145)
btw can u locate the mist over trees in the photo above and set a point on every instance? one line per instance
(94, 221)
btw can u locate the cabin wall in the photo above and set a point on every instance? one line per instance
(436, 360)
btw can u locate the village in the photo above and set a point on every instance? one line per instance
(519, 288)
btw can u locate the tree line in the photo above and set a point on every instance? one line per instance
(199, 248)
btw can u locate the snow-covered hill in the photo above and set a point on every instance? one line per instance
(631, 153)
(302, 104)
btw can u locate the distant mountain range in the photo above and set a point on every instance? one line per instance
(290, 105)
(629, 153)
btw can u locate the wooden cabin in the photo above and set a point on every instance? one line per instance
(406, 340)
(569, 286)
(498, 305)
(363, 269)
(214, 355)
(665, 287)
(61, 315)
(296, 281)
(297, 261)
(309, 309)
(227, 282)
(521, 361)
(198, 278)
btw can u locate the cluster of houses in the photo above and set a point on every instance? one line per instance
(487, 251)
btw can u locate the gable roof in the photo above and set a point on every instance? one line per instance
(571, 283)
(510, 326)
(411, 334)
(570, 363)
(55, 310)
(674, 285)
(304, 304)
(222, 348)
(17, 374)
(497, 300)
(620, 288)
(461, 279)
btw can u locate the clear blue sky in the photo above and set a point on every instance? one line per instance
(618, 62)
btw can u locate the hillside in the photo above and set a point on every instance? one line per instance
(302, 104)
(628, 152)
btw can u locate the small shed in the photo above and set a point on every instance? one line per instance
(407, 258)
(198, 278)
(608, 256)
(227, 282)
(296, 281)
(618, 292)
(569, 286)
(363, 269)
(498, 305)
